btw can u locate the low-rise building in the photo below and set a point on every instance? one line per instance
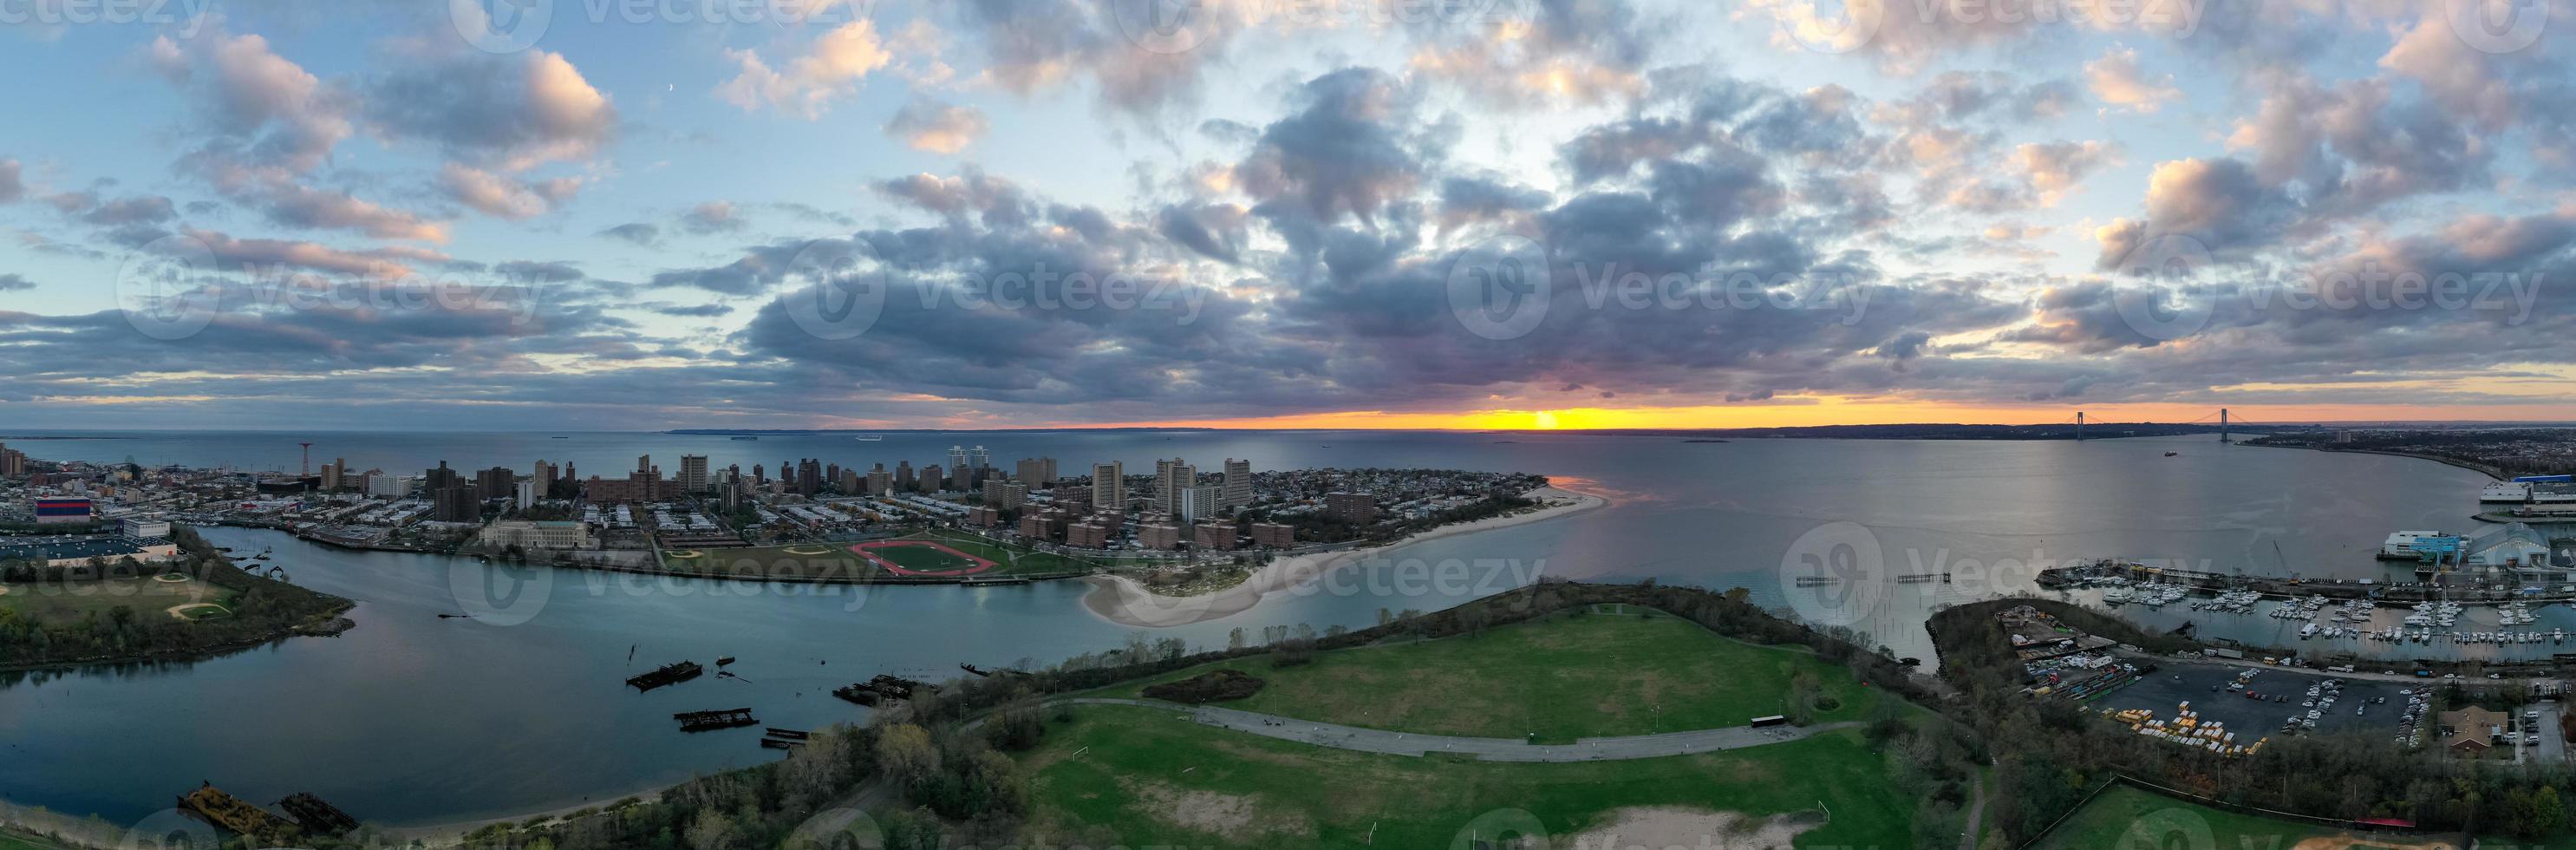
(1274, 535)
(1159, 535)
(1088, 535)
(537, 534)
(67, 552)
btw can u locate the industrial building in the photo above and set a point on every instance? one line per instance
(78, 551)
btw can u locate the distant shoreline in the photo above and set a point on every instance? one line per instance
(2481, 470)
(1127, 602)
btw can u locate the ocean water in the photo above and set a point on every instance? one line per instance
(413, 719)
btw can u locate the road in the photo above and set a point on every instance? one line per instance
(1361, 739)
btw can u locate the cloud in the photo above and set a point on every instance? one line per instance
(2220, 203)
(501, 196)
(12, 186)
(711, 217)
(509, 113)
(269, 111)
(929, 125)
(831, 68)
(1350, 147)
(636, 232)
(14, 282)
(386, 262)
(2116, 80)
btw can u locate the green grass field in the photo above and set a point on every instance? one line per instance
(2126, 818)
(810, 559)
(1150, 778)
(19, 841)
(1565, 677)
(63, 603)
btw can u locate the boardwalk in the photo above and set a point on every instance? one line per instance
(1487, 749)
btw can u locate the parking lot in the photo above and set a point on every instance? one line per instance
(2158, 692)
(2552, 749)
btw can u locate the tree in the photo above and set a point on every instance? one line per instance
(905, 752)
(713, 831)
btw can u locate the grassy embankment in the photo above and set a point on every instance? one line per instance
(2127, 818)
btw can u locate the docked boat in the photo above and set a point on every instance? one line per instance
(2506, 493)
(870, 438)
(2411, 545)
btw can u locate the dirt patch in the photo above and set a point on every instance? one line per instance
(1212, 686)
(1669, 826)
(193, 611)
(1229, 815)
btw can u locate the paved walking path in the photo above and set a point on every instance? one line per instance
(1976, 812)
(1487, 749)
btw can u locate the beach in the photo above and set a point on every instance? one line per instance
(1125, 601)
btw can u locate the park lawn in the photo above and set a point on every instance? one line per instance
(1563, 677)
(1152, 778)
(1013, 558)
(2127, 818)
(69, 603)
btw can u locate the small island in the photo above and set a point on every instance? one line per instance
(179, 599)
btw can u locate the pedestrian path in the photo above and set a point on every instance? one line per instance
(1487, 749)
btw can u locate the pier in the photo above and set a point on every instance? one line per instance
(707, 721)
(2552, 589)
(225, 810)
(667, 674)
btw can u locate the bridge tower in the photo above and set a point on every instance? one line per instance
(2222, 426)
(2079, 426)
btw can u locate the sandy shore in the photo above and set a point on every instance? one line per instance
(1125, 601)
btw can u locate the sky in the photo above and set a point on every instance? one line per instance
(644, 214)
